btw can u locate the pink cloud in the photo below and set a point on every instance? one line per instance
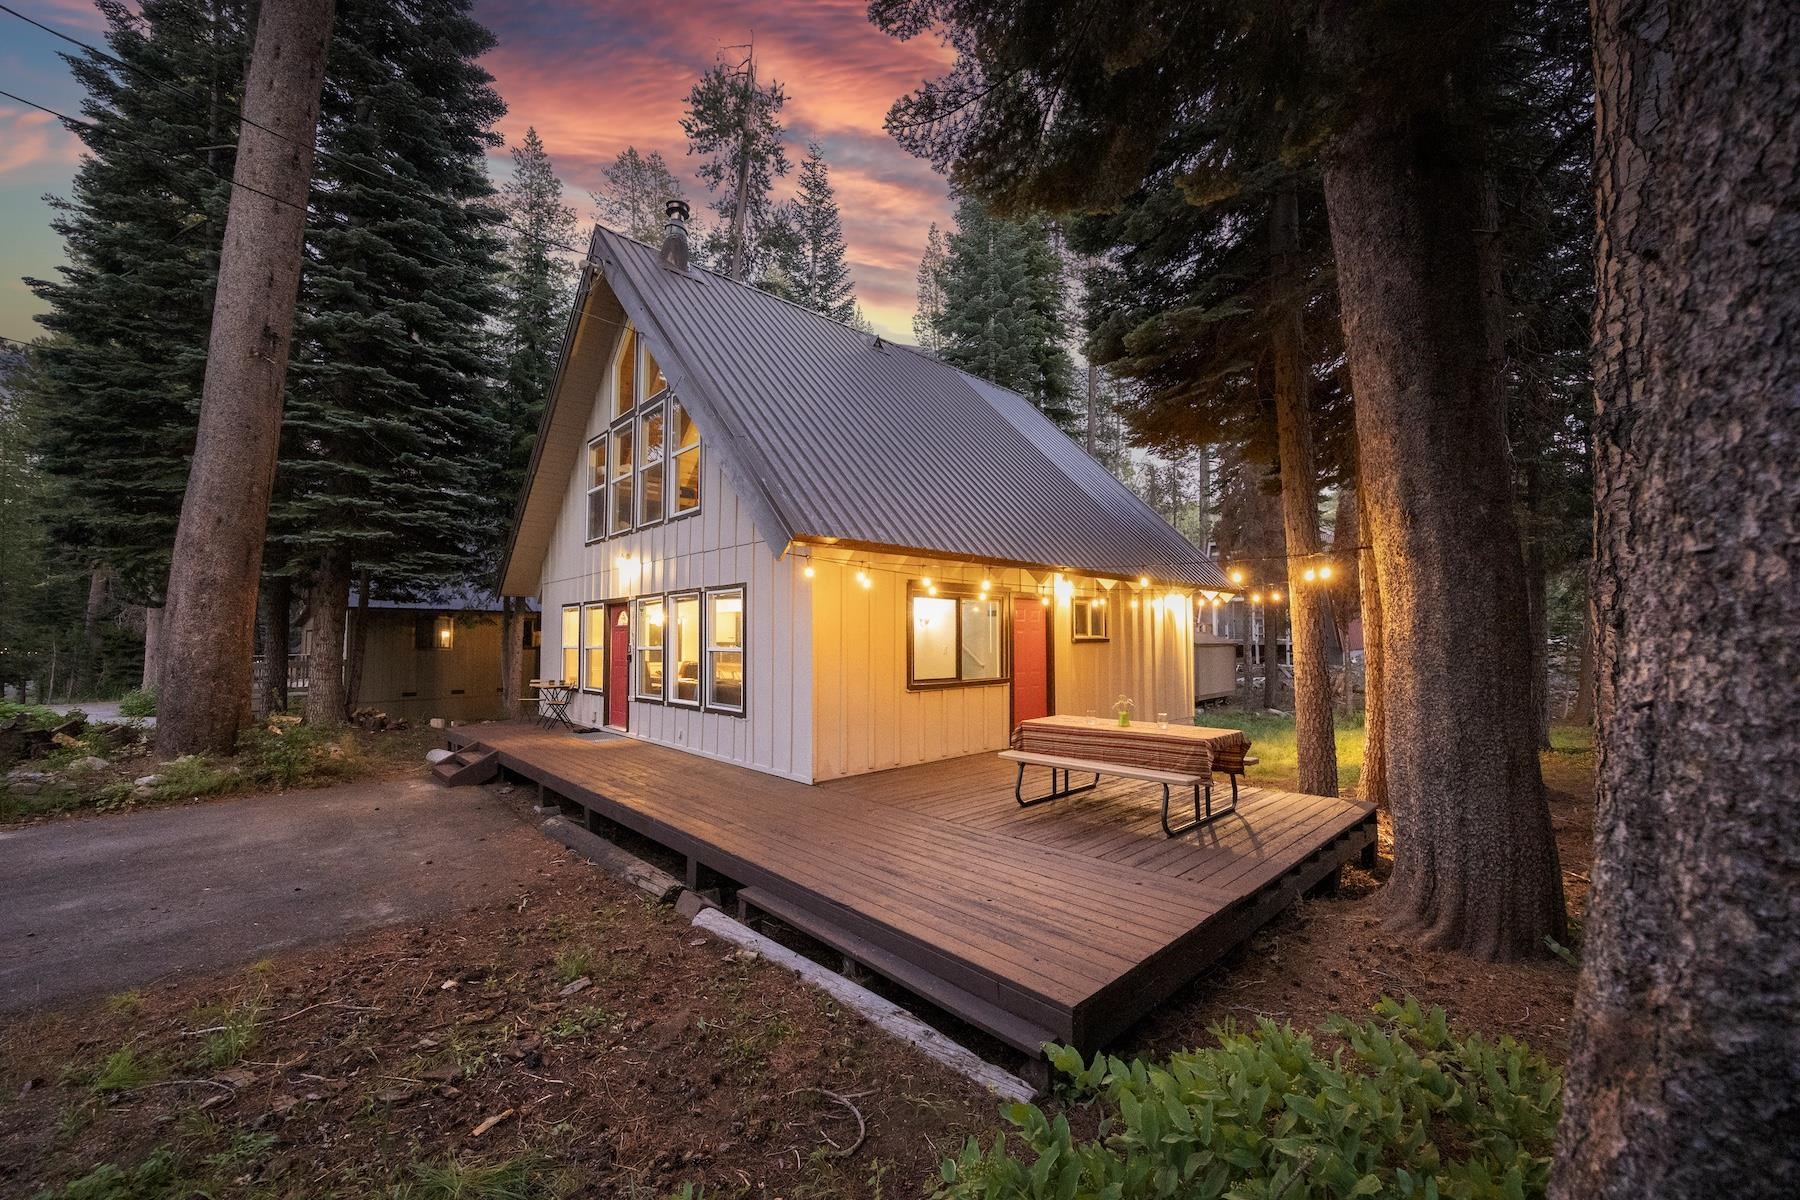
(594, 78)
(29, 138)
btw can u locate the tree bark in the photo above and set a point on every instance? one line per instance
(86, 677)
(1346, 576)
(278, 604)
(1581, 707)
(358, 647)
(328, 601)
(512, 637)
(1271, 642)
(1372, 787)
(210, 623)
(153, 615)
(1475, 865)
(1308, 604)
(1684, 1073)
(1537, 604)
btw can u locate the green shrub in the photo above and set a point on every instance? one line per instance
(138, 702)
(37, 716)
(156, 1178)
(189, 776)
(285, 754)
(1407, 1110)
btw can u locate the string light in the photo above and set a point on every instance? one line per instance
(1274, 596)
(862, 577)
(1325, 571)
(1143, 581)
(809, 572)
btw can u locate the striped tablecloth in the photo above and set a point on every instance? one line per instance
(1184, 749)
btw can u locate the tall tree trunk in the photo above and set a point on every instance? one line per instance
(1271, 640)
(1685, 1063)
(87, 676)
(1475, 865)
(278, 604)
(1308, 604)
(1345, 534)
(1093, 403)
(153, 616)
(328, 601)
(358, 647)
(210, 623)
(1247, 635)
(1372, 787)
(512, 640)
(1581, 707)
(1537, 604)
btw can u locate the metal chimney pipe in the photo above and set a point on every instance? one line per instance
(675, 236)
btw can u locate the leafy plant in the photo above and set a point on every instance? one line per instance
(1408, 1110)
(190, 776)
(138, 702)
(573, 964)
(229, 1032)
(158, 1177)
(286, 754)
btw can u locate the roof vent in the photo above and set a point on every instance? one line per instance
(675, 236)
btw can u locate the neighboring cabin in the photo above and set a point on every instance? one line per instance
(762, 536)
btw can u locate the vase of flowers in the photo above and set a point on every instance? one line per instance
(1123, 706)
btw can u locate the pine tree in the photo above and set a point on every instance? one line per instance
(537, 284)
(1002, 317)
(636, 189)
(25, 498)
(810, 256)
(392, 421)
(928, 311)
(734, 124)
(141, 230)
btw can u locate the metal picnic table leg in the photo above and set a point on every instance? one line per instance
(1058, 789)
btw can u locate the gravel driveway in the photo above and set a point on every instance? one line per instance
(103, 904)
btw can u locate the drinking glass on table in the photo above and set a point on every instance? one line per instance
(1090, 716)
(1162, 720)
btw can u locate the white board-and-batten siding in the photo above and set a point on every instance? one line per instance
(715, 547)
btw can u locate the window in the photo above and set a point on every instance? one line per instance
(955, 639)
(650, 649)
(593, 647)
(647, 468)
(725, 650)
(434, 633)
(571, 643)
(1087, 618)
(684, 648)
(684, 451)
(651, 445)
(621, 479)
(596, 490)
(625, 378)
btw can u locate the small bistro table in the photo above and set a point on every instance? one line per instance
(1171, 755)
(553, 696)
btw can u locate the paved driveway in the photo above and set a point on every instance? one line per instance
(103, 904)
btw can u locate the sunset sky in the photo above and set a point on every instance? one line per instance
(593, 76)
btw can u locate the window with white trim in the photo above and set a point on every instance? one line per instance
(571, 643)
(1087, 618)
(646, 467)
(725, 650)
(650, 634)
(593, 647)
(684, 649)
(596, 489)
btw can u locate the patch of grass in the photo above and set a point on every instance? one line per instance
(1272, 741)
(286, 754)
(123, 1070)
(584, 1021)
(573, 964)
(190, 777)
(158, 1177)
(126, 1004)
(230, 1032)
(514, 1179)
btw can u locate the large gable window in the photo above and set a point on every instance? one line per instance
(955, 640)
(653, 470)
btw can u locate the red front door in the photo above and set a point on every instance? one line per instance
(618, 665)
(1030, 659)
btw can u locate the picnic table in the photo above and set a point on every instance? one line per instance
(1170, 755)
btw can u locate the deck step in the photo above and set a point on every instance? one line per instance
(472, 764)
(990, 1018)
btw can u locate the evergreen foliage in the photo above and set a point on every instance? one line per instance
(391, 420)
(28, 598)
(1003, 294)
(141, 229)
(636, 190)
(928, 312)
(807, 260)
(734, 125)
(537, 284)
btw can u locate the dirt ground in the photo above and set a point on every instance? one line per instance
(377, 1067)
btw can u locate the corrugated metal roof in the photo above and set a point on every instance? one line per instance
(836, 435)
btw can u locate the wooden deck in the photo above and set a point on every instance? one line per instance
(1063, 922)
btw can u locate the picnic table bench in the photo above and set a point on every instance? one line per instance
(1173, 756)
